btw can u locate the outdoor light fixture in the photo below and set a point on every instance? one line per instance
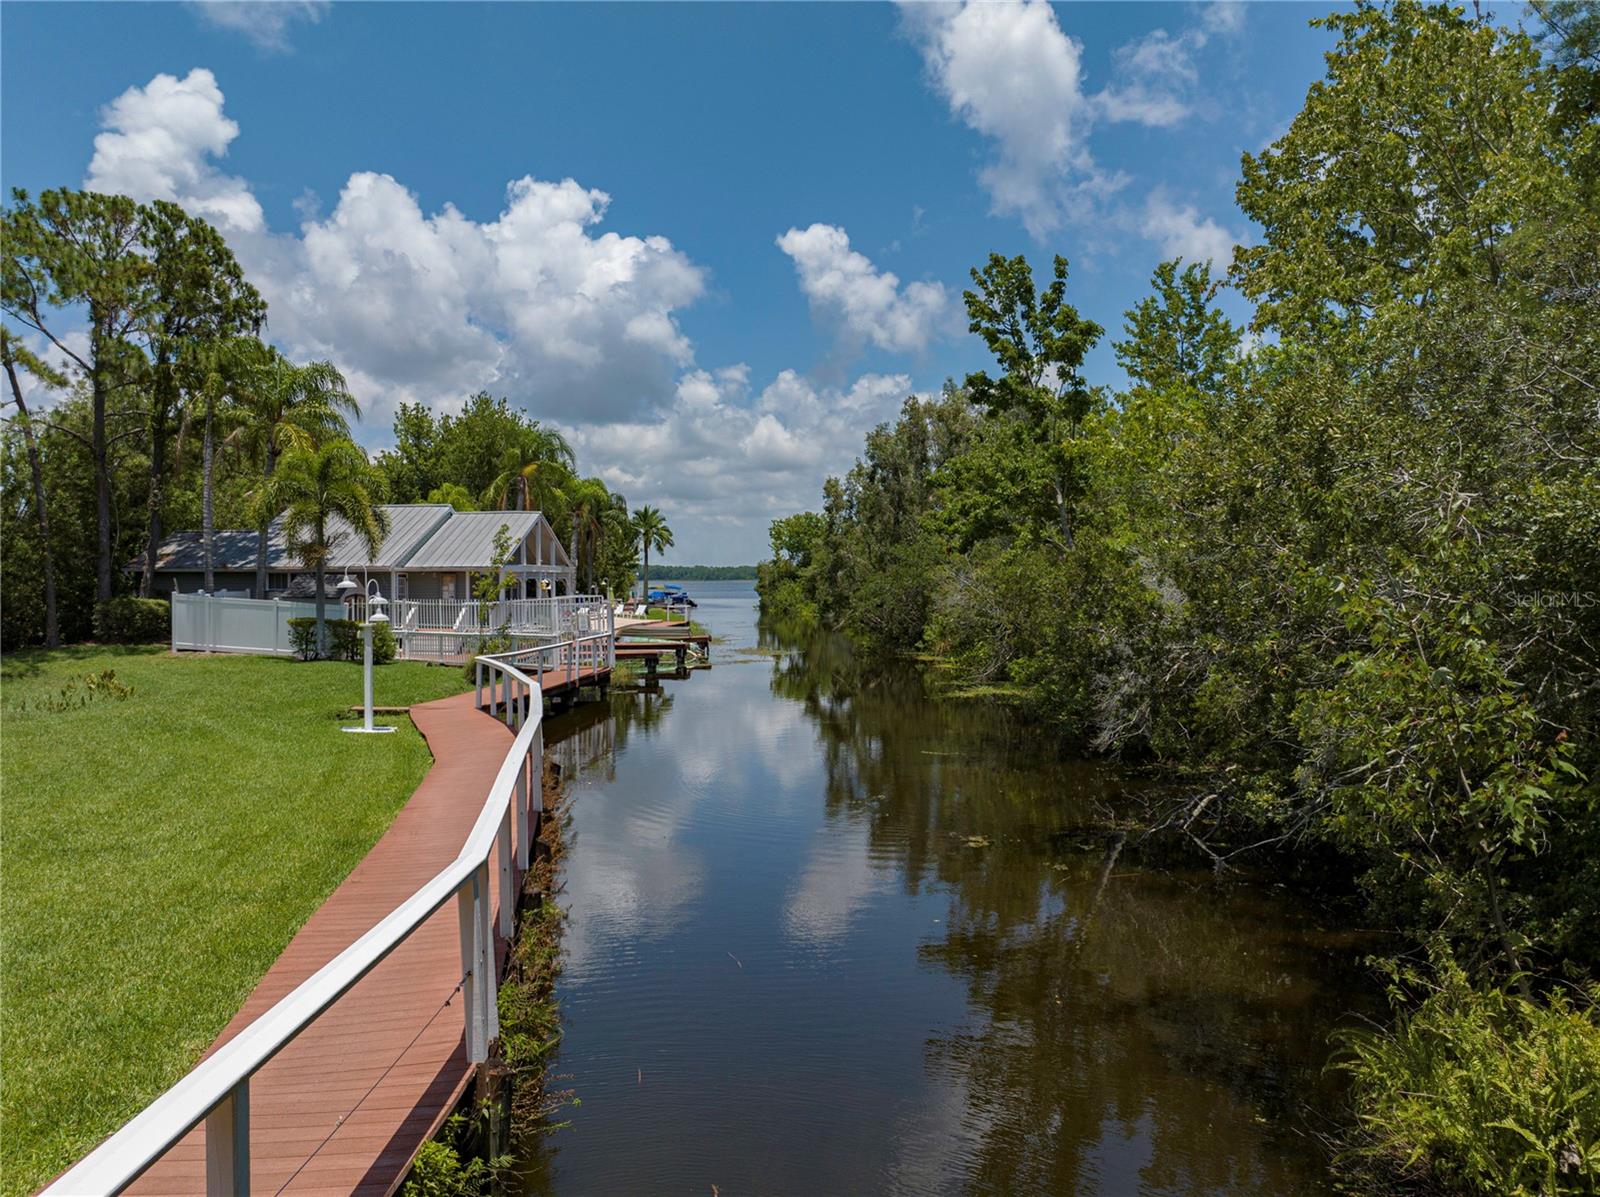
(375, 605)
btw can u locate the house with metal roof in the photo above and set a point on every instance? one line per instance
(431, 551)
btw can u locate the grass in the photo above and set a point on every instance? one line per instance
(159, 851)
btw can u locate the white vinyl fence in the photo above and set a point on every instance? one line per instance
(213, 624)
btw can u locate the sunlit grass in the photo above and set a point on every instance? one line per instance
(159, 851)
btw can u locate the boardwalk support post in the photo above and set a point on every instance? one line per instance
(228, 1144)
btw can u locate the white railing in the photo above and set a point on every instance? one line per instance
(537, 616)
(439, 631)
(217, 1090)
(217, 624)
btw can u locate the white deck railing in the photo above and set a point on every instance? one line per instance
(217, 1091)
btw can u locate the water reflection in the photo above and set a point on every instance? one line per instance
(831, 936)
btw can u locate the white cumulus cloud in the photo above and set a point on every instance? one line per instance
(1181, 231)
(727, 462)
(265, 22)
(573, 322)
(158, 143)
(869, 304)
(1010, 73)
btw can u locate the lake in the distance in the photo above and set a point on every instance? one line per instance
(828, 936)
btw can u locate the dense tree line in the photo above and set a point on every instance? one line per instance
(706, 573)
(140, 399)
(1342, 566)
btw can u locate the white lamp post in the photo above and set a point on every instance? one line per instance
(375, 605)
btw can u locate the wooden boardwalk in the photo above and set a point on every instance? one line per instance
(345, 1106)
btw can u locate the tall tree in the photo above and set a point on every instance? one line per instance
(283, 406)
(82, 250)
(316, 489)
(15, 354)
(200, 297)
(1039, 341)
(1175, 337)
(653, 532)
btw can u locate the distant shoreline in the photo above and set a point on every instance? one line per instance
(703, 573)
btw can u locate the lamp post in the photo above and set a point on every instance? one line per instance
(375, 605)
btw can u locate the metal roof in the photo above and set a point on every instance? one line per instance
(421, 536)
(466, 541)
(230, 550)
(409, 525)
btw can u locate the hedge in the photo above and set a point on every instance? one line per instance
(129, 620)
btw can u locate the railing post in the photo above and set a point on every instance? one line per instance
(472, 1011)
(486, 984)
(519, 803)
(508, 876)
(228, 1144)
(477, 686)
(493, 706)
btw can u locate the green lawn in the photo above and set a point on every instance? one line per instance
(156, 854)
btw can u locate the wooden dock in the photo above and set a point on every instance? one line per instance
(345, 1106)
(564, 682)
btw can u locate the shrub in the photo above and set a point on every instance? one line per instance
(440, 1171)
(1480, 1091)
(384, 645)
(344, 639)
(129, 620)
(303, 636)
(488, 646)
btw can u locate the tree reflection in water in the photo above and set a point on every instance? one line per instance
(1133, 1029)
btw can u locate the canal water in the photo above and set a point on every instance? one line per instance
(828, 936)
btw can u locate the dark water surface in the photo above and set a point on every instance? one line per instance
(830, 937)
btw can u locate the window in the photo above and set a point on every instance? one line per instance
(401, 590)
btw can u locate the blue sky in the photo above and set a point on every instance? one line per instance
(714, 243)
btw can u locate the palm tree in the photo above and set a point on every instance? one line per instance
(653, 532)
(286, 406)
(534, 469)
(313, 487)
(587, 502)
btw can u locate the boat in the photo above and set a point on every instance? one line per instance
(670, 597)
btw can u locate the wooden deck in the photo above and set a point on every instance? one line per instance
(566, 681)
(345, 1106)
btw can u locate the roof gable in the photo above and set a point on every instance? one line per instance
(466, 539)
